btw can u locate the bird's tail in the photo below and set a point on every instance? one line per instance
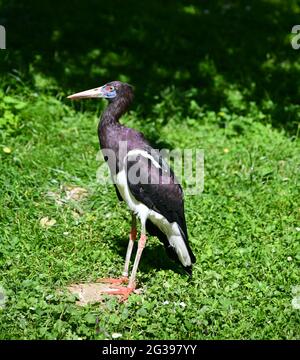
(174, 251)
(186, 242)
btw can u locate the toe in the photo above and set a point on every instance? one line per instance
(121, 280)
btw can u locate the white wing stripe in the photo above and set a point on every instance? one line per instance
(136, 152)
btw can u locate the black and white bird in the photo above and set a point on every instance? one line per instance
(144, 181)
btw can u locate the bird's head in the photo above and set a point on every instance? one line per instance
(111, 91)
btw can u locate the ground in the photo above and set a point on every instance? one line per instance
(59, 226)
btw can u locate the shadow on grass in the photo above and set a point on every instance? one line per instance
(214, 47)
(154, 256)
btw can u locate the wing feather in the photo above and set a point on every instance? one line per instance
(152, 182)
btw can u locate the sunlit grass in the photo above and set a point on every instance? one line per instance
(243, 229)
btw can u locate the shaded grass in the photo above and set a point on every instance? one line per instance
(231, 53)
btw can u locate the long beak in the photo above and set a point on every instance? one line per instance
(88, 94)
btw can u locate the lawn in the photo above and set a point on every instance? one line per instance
(236, 97)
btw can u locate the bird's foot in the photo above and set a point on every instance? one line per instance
(122, 291)
(114, 281)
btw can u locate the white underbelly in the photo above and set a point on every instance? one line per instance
(141, 210)
(171, 230)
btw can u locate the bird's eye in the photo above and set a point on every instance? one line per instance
(109, 88)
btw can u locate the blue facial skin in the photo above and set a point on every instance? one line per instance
(109, 94)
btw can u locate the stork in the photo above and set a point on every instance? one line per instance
(156, 199)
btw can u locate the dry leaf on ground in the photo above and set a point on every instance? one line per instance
(47, 222)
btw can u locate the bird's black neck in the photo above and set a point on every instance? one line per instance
(114, 111)
(109, 121)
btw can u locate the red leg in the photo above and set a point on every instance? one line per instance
(123, 291)
(124, 278)
(133, 233)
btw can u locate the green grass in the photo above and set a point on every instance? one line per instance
(243, 230)
(216, 76)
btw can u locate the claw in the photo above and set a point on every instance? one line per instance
(123, 291)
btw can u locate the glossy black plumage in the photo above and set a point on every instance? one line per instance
(164, 197)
